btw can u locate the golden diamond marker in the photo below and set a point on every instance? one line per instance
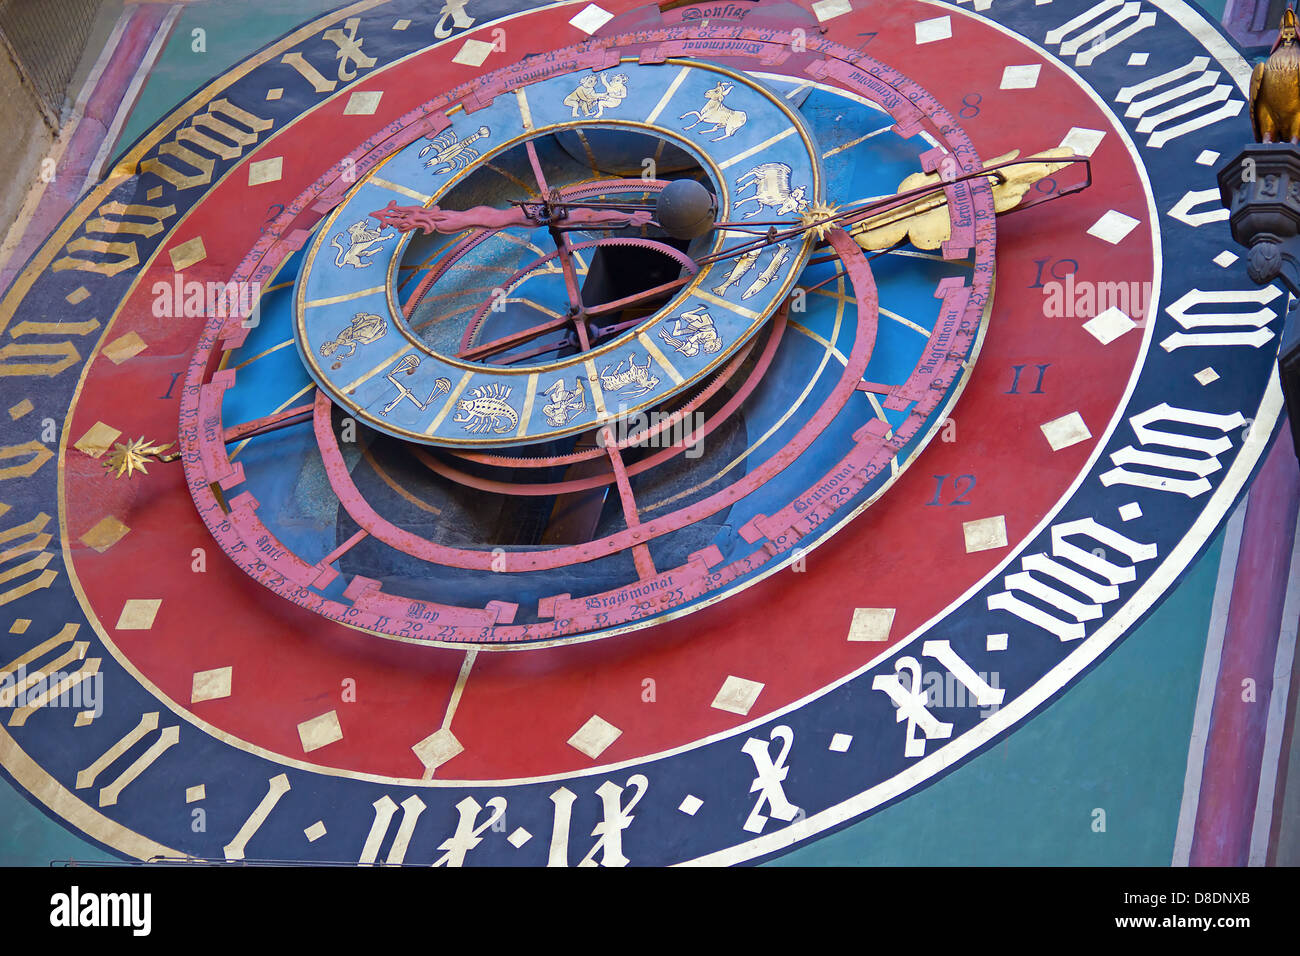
(107, 532)
(138, 614)
(187, 254)
(125, 347)
(98, 439)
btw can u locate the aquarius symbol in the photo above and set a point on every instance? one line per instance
(703, 335)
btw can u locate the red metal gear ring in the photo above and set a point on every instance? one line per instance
(518, 561)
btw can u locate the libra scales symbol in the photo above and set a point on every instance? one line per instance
(409, 364)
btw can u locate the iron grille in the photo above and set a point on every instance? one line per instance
(46, 39)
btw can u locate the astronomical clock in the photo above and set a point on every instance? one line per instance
(608, 434)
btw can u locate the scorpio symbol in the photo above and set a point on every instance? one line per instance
(451, 153)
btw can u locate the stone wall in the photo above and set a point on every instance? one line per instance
(25, 139)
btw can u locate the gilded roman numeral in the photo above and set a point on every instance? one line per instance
(187, 160)
(24, 559)
(385, 809)
(348, 53)
(277, 787)
(18, 678)
(45, 359)
(166, 739)
(1058, 611)
(1193, 455)
(1181, 101)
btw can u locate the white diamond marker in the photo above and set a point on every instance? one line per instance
(591, 19)
(871, 623)
(825, 10)
(1113, 227)
(363, 103)
(1065, 431)
(737, 695)
(985, 534)
(594, 737)
(1083, 141)
(473, 53)
(1109, 326)
(928, 31)
(1021, 77)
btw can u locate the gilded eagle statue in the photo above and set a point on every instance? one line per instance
(1275, 88)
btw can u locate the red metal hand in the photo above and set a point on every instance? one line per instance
(449, 221)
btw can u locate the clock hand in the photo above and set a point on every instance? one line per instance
(868, 222)
(1009, 176)
(925, 220)
(917, 210)
(130, 457)
(451, 221)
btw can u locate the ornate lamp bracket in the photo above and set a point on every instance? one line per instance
(1260, 188)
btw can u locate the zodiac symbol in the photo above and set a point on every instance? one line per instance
(715, 112)
(365, 327)
(743, 264)
(486, 409)
(592, 103)
(564, 404)
(450, 153)
(360, 245)
(409, 364)
(703, 335)
(772, 189)
(636, 378)
(779, 255)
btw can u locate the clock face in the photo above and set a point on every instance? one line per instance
(547, 536)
